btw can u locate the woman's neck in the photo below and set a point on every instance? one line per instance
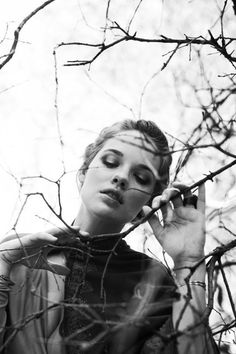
(95, 225)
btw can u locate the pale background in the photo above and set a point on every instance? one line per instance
(124, 82)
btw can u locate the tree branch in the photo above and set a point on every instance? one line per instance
(17, 32)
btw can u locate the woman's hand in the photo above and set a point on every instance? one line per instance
(33, 250)
(182, 232)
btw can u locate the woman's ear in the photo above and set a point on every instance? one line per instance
(80, 179)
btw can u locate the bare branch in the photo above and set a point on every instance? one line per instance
(213, 42)
(17, 32)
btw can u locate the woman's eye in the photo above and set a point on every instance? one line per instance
(142, 178)
(110, 161)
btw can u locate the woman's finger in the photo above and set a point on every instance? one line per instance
(201, 203)
(23, 247)
(167, 213)
(173, 194)
(63, 231)
(176, 199)
(189, 199)
(162, 202)
(156, 203)
(38, 239)
(170, 193)
(13, 237)
(179, 185)
(18, 240)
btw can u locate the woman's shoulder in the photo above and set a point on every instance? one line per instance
(30, 283)
(34, 291)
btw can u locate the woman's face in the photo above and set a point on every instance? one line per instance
(121, 178)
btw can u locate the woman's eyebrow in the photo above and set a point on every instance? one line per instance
(117, 152)
(145, 167)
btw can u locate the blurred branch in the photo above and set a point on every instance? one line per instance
(61, 142)
(227, 288)
(18, 326)
(234, 6)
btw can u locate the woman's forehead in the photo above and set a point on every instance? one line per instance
(135, 139)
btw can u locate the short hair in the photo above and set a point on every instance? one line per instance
(150, 131)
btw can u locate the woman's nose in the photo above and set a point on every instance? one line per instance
(120, 181)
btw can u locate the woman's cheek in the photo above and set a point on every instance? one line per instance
(137, 201)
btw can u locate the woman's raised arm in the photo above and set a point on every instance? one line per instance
(182, 236)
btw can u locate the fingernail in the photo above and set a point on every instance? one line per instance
(164, 198)
(84, 233)
(176, 189)
(154, 205)
(53, 238)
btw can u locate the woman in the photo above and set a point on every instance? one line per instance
(84, 290)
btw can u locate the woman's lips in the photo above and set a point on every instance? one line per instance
(114, 194)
